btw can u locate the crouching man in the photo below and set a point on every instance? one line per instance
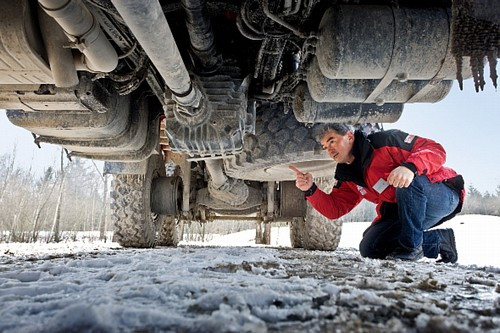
(405, 176)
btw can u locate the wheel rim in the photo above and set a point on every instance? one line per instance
(166, 195)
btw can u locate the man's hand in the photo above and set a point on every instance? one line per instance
(400, 177)
(304, 180)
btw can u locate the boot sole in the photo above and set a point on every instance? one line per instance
(454, 246)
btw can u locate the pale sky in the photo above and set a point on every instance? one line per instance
(27, 153)
(466, 123)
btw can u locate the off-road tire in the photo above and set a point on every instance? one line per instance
(135, 224)
(167, 231)
(279, 140)
(296, 231)
(319, 232)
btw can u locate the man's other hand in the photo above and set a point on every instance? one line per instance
(304, 181)
(400, 177)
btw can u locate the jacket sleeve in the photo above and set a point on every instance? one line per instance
(339, 202)
(426, 155)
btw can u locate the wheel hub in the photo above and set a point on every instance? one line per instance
(166, 195)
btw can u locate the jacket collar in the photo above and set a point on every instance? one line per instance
(363, 153)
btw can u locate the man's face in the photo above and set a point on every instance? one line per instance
(338, 147)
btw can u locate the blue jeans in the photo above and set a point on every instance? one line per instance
(419, 207)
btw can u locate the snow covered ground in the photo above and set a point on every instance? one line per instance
(477, 238)
(100, 287)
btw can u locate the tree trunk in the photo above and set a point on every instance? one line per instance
(40, 206)
(92, 214)
(103, 226)
(55, 232)
(8, 174)
(17, 228)
(13, 231)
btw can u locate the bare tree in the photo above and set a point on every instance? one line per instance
(104, 216)
(92, 212)
(15, 203)
(46, 186)
(8, 172)
(29, 205)
(55, 231)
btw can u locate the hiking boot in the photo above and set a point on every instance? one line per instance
(447, 246)
(407, 254)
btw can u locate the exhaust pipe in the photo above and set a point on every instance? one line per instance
(60, 58)
(200, 33)
(83, 29)
(148, 24)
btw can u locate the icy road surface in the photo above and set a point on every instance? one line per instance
(241, 289)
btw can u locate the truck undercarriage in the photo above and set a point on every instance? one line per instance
(199, 106)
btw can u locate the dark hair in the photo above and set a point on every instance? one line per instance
(341, 129)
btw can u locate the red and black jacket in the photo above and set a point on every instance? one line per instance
(375, 157)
